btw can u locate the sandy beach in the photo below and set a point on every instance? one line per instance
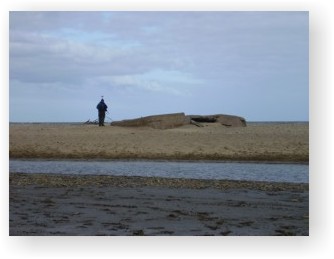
(122, 206)
(256, 142)
(42, 204)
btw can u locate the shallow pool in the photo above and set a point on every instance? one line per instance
(296, 173)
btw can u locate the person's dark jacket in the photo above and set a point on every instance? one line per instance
(102, 107)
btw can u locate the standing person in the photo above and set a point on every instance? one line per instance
(102, 108)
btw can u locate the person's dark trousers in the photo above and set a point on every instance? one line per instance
(101, 118)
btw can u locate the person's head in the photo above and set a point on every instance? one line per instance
(102, 101)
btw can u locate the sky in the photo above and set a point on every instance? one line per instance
(250, 64)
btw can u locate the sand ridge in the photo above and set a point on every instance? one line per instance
(258, 142)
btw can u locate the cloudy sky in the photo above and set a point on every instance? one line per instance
(251, 64)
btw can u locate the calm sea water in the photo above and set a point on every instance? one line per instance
(296, 173)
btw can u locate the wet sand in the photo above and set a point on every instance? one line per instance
(257, 142)
(122, 206)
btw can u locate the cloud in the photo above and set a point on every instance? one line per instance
(221, 55)
(45, 58)
(160, 81)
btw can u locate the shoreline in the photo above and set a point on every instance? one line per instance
(158, 160)
(63, 180)
(181, 158)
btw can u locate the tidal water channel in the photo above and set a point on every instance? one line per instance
(270, 172)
